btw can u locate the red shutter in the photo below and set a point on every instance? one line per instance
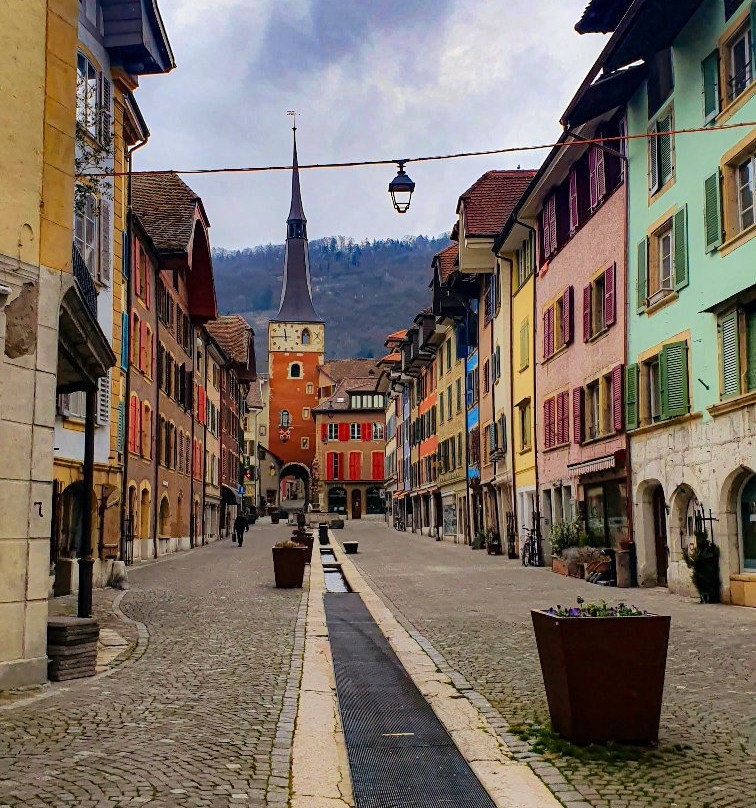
(377, 465)
(600, 174)
(553, 223)
(147, 284)
(341, 465)
(574, 215)
(152, 434)
(592, 182)
(132, 421)
(329, 464)
(343, 431)
(577, 415)
(543, 245)
(366, 431)
(610, 297)
(548, 332)
(324, 431)
(548, 423)
(563, 417)
(143, 348)
(152, 356)
(617, 408)
(567, 319)
(587, 319)
(134, 348)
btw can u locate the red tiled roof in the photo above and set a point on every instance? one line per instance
(166, 207)
(232, 332)
(339, 401)
(398, 334)
(389, 359)
(490, 200)
(447, 261)
(339, 369)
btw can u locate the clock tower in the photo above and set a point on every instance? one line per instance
(296, 344)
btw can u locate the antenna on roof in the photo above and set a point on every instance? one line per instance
(293, 114)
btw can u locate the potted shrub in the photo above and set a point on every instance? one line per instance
(702, 559)
(289, 559)
(493, 543)
(603, 669)
(305, 538)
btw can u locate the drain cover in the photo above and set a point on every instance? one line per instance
(400, 754)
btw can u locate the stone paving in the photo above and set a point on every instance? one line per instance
(203, 719)
(474, 612)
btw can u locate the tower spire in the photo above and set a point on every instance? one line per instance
(296, 295)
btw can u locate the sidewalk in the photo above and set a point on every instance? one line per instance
(474, 610)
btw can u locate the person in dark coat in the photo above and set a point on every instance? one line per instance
(241, 526)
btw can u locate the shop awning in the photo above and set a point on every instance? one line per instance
(591, 466)
(230, 496)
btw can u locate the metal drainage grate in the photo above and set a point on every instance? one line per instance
(400, 754)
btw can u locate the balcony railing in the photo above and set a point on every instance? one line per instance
(84, 281)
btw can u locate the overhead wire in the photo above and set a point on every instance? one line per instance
(423, 159)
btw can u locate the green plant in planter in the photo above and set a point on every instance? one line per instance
(565, 534)
(703, 561)
(479, 540)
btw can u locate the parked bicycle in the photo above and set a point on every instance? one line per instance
(399, 524)
(531, 549)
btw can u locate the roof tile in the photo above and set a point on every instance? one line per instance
(490, 200)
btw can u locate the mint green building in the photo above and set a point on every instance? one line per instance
(690, 382)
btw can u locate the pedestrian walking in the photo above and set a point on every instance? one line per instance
(241, 526)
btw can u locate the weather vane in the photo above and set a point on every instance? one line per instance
(293, 114)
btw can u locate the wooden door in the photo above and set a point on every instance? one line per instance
(660, 536)
(356, 504)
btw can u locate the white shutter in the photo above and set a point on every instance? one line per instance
(103, 400)
(105, 237)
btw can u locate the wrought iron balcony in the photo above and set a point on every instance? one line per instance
(84, 281)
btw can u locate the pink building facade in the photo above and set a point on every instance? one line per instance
(580, 209)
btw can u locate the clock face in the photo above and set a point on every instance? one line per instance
(293, 337)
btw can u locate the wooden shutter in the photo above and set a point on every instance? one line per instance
(341, 465)
(578, 417)
(121, 420)
(753, 37)
(574, 212)
(673, 373)
(366, 431)
(587, 318)
(600, 174)
(548, 423)
(712, 212)
(147, 280)
(642, 274)
(750, 345)
(105, 236)
(343, 431)
(680, 226)
(103, 399)
(567, 316)
(524, 352)
(665, 149)
(710, 75)
(548, 332)
(324, 432)
(730, 355)
(135, 268)
(631, 396)
(653, 161)
(592, 179)
(354, 466)
(617, 420)
(329, 465)
(552, 224)
(610, 295)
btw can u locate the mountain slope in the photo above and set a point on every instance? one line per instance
(363, 291)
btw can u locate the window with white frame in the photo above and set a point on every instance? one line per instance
(354, 431)
(284, 420)
(87, 82)
(377, 431)
(85, 232)
(745, 179)
(333, 431)
(739, 62)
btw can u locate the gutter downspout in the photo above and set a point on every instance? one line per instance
(126, 419)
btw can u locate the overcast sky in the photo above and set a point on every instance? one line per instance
(370, 79)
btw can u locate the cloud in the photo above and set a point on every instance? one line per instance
(370, 79)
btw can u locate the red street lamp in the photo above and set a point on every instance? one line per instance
(401, 188)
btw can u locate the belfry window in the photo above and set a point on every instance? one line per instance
(295, 371)
(305, 337)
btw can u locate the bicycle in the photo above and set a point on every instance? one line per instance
(531, 551)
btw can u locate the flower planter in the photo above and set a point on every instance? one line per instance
(289, 566)
(604, 676)
(274, 518)
(559, 566)
(350, 547)
(308, 540)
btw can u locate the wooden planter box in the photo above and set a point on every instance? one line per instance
(289, 566)
(604, 676)
(559, 566)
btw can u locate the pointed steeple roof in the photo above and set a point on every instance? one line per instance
(296, 295)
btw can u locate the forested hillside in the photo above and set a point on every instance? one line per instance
(363, 290)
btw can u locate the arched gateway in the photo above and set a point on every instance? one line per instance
(295, 487)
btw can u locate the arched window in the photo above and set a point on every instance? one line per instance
(295, 371)
(306, 337)
(285, 420)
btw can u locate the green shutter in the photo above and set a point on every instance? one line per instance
(712, 212)
(710, 73)
(642, 274)
(673, 375)
(680, 238)
(631, 397)
(753, 35)
(664, 148)
(730, 354)
(751, 350)
(653, 161)
(523, 344)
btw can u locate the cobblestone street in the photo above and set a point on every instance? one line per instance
(194, 722)
(474, 609)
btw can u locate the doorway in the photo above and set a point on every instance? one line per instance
(356, 504)
(659, 507)
(748, 522)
